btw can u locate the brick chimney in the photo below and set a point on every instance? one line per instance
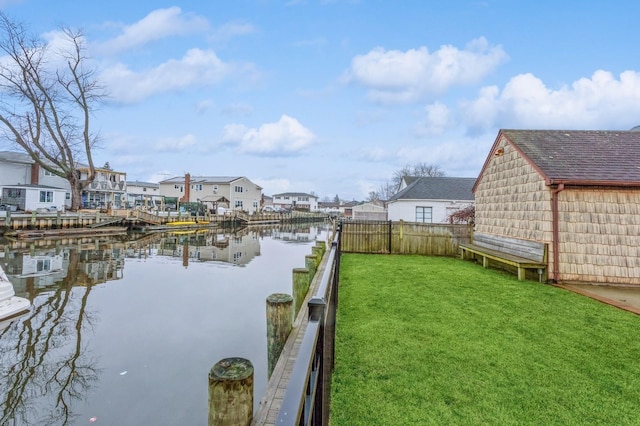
(187, 189)
(35, 174)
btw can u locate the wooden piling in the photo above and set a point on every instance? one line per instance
(280, 314)
(316, 251)
(301, 282)
(231, 392)
(310, 264)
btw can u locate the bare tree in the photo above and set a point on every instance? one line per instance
(373, 196)
(47, 96)
(386, 190)
(415, 170)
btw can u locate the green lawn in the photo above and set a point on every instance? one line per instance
(428, 340)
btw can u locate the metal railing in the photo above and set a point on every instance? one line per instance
(307, 397)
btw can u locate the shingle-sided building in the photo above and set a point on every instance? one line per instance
(577, 191)
(431, 199)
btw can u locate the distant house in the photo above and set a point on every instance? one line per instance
(295, 201)
(19, 169)
(107, 189)
(34, 197)
(346, 209)
(267, 203)
(328, 206)
(217, 192)
(431, 199)
(143, 194)
(577, 191)
(369, 211)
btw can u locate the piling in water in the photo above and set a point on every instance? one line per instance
(231, 392)
(279, 324)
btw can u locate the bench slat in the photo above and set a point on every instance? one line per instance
(523, 254)
(533, 250)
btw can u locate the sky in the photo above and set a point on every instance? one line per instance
(331, 97)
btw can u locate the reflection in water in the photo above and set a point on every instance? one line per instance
(47, 368)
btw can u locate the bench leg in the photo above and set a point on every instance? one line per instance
(521, 274)
(485, 262)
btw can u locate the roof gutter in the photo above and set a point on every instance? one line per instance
(583, 182)
(556, 231)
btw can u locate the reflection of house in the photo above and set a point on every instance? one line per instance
(295, 234)
(577, 191)
(33, 197)
(238, 249)
(143, 194)
(31, 271)
(107, 190)
(295, 201)
(431, 199)
(235, 193)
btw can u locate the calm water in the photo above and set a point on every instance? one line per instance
(125, 332)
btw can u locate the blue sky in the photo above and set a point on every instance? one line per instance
(333, 96)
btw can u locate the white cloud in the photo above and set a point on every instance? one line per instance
(232, 29)
(282, 138)
(196, 68)
(176, 144)
(371, 154)
(393, 76)
(204, 106)
(159, 24)
(273, 186)
(599, 102)
(437, 119)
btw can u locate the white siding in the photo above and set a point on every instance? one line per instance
(406, 209)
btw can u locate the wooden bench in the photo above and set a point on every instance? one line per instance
(523, 254)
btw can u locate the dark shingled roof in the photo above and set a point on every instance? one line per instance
(438, 188)
(581, 156)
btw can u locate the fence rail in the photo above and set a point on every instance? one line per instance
(431, 239)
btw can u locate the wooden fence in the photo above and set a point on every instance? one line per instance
(430, 239)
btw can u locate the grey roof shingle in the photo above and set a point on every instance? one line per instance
(581, 156)
(438, 188)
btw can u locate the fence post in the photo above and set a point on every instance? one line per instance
(279, 325)
(390, 239)
(231, 392)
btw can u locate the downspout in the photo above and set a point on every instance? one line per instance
(556, 231)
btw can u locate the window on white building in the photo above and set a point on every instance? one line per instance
(46, 196)
(238, 204)
(48, 173)
(239, 189)
(423, 214)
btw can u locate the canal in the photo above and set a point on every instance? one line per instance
(124, 331)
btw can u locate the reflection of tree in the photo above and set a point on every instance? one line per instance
(43, 356)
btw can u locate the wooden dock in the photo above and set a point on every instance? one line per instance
(269, 405)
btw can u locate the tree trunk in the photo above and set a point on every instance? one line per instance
(76, 192)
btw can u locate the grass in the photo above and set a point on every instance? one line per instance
(440, 341)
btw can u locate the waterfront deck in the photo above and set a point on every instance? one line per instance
(269, 405)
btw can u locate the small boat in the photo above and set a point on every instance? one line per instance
(10, 304)
(188, 222)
